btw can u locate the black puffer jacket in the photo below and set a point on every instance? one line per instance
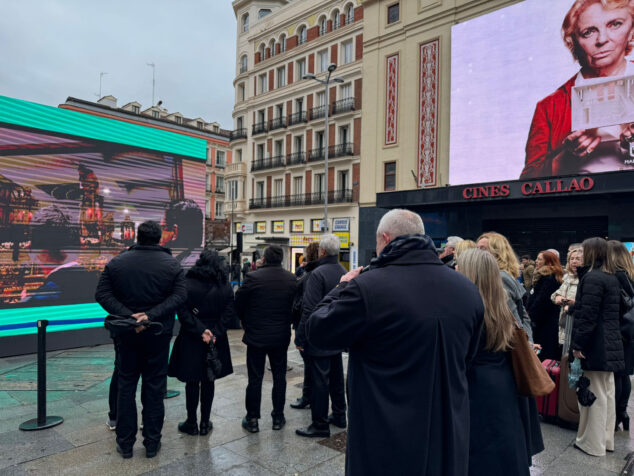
(628, 350)
(596, 332)
(264, 303)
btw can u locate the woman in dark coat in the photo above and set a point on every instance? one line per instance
(596, 340)
(620, 262)
(544, 314)
(203, 318)
(496, 446)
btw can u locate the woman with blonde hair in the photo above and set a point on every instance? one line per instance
(564, 297)
(463, 246)
(619, 262)
(496, 447)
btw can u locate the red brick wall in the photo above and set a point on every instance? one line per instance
(309, 102)
(278, 46)
(270, 113)
(289, 109)
(309, 181)
(257, 57)
(287, 184)
(331, 178)
(356, 174)
(312, 33)
(356, 147)
(311, 63)
(358, 93)
(229, 157)
(358, 47)
(269, 147)
(290, 72)
(289, 143)
(329, 26)
(309, 139)
(291, 42)
(358, 13)
(332, 138)
(267, 53)
(271, 80)
(333, 54)
(333, 95)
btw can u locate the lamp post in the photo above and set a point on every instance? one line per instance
(326, 82)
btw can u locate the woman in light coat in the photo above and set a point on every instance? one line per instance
(564, 297)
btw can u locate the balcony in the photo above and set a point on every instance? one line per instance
(343, 105)
(258, 128)
(238, 134)
(235, 169)
(301, 199)
(220, 165)
(268, 163)
(296, 158)
(318, 112)
(339, 150)
(220, 190)
(277, 123)
(297, 118)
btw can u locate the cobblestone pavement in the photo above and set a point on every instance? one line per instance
(78, 382)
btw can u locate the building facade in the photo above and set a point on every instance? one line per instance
(219, 154)
(277, 184)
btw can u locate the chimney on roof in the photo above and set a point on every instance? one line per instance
(109, 101)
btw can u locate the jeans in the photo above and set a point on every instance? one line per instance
(327, 379)
(142, 355)
(255, 366)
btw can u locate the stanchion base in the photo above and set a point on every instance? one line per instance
(172, 393)
(32, 425)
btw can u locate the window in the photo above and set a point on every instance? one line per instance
(220, 184)
(243, 64)
(261, 116)
(393, 13)
(344, 136)
(155, 114)
(207, 209)
(301, 68)
(200, 124)
(178, 119)
(349, 14)
(320, 183)
(389, 182)
(336, 19)
(259, 151)
(241, 92)
(279, 111)
(220, 158)
(245, 22)
(343, 180)
(322, 61)
(264, 12)
(136, 109)
(321, 99)
(301, 35)
(272, 47)
(239, 123)
(262, 50)
(239, 155)
(233, 189)
(299, 143)
(282, 43)
(298, 185)
(259, 190)
(208, 183)
(219, 209)
(279, 148)
(278, 188)
(346, 91)
(323, 26)
(281, 76)
(319, 139)
(299, 105)
(263, 83)
(346, 52)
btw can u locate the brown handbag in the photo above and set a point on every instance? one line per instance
(531, 378)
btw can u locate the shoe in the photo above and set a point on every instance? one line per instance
(313, 432)
(622, 418)
(339, 422)
(152, 451)
(188, 427)
(279, 422)
(250, 424)
(111, 424)
(125, 454)
(300, 403)
(205, 427)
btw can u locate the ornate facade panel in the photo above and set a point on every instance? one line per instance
(428, 114)
(391, 100)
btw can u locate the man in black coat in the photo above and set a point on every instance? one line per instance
(326, 366)
(147, 283)
(264, 303)
(412, 327)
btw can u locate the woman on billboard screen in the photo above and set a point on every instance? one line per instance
(599, 34)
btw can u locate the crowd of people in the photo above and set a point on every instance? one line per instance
(430, 385)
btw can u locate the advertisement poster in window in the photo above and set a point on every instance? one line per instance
(341, 224)
(278, 226)
(297, 226)
(260, 227)
(316, 224)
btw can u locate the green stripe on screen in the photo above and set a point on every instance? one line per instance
(52, 314)
(39, 116)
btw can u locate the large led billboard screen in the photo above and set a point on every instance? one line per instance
(542, 88)
(68, 204)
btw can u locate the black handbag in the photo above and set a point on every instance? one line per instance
(214, 366)
(627, 319)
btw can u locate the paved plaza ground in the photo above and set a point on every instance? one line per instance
(78, 382)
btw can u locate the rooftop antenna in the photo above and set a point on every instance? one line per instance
(153, 79)
(101, 75)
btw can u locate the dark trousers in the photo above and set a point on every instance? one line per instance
(307, 385)
(193, 390)
(142, 355)
(327, 379)
(113, 391)
(256, 358)
(622, 390)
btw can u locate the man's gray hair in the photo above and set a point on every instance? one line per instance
(399, 222)
(452, 241)
(330, 244)
(554, 251)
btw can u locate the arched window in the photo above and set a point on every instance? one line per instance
(336, 19)
(349, 14)
(245, 22)
(262, 50)
(264, 12)
(301, 35)
(243, 64)
(272, 47)
(282, 43)
(323, 26)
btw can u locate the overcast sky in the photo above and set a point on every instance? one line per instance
(52, 49)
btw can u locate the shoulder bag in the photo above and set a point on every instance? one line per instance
(531, 378)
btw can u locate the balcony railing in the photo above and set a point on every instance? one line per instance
(301, 199)
(343, 105)
(296, 158)
(220, 190)
(318, 112)
(268, 163)
(238, 134)
(258, 128)
(220, 165)
(297, 118)
(277, 123)
(339, 150)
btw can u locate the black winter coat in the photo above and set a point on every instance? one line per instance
(298, 301)
(412, 326)
(143, 279)
(320, 282)
(264, 303)
(596, 331)
(628, 350)
(215, 311)
(545, 316)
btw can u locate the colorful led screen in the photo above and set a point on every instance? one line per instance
(531, 99)
(68, 205)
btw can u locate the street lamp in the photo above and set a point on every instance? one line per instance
(326, 82)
